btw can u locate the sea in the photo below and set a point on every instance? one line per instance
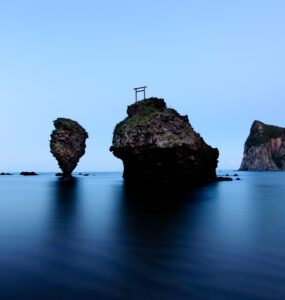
(101, 239)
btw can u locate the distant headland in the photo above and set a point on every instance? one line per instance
(264, 149)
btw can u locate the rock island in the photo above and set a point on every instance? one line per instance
(157, 144)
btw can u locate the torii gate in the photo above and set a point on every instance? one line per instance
(138, 90)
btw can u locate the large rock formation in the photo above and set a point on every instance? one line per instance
(264, 149)
(156, 144)
(67, 144)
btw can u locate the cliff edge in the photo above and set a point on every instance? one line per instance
(157, 144)
(264, 149)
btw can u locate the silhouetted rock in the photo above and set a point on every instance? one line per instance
(156, 144)
(235, 174)
(238, 178)
(5, 174)
(59, 174)
(264, 149)
(67, 144)
(224, 179)
(28, 173)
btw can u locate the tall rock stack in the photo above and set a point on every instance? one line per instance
(264, 149)
(158, 145)
(67, 144)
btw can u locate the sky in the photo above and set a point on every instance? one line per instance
(220, 62)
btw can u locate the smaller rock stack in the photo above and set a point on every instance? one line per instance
(67, 144)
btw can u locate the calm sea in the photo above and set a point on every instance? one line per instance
(97, 239)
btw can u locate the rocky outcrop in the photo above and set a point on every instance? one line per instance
(157, 144)
(264, 149)
(28, 173)
(67, 144)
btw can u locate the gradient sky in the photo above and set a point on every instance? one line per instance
(220, 62)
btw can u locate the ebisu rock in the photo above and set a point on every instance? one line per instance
(157, 144)
(264, 149)
(67, 144)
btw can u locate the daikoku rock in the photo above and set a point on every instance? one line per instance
(67, 144)
(264, 149)
(157, 144)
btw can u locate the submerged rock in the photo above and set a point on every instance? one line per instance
(157, 144)
(264, 149)
(67, 144)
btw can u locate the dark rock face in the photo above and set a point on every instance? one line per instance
(156, 144)
(264, 149)
(67, 144)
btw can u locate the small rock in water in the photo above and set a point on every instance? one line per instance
(235, 174)
(224, 179)
(238, 178)
(2, 174)
(28, 173)
(59, 174)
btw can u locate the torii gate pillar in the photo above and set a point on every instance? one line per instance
(139, 90)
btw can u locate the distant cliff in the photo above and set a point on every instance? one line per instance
(157, 144)
(264, 149)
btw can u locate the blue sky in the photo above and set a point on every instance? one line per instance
(220, 62)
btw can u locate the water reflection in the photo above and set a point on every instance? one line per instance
(65, 206)
(63, 221)
(99, 238)
(160, 233)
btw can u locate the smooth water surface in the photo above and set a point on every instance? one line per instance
(97, 239)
